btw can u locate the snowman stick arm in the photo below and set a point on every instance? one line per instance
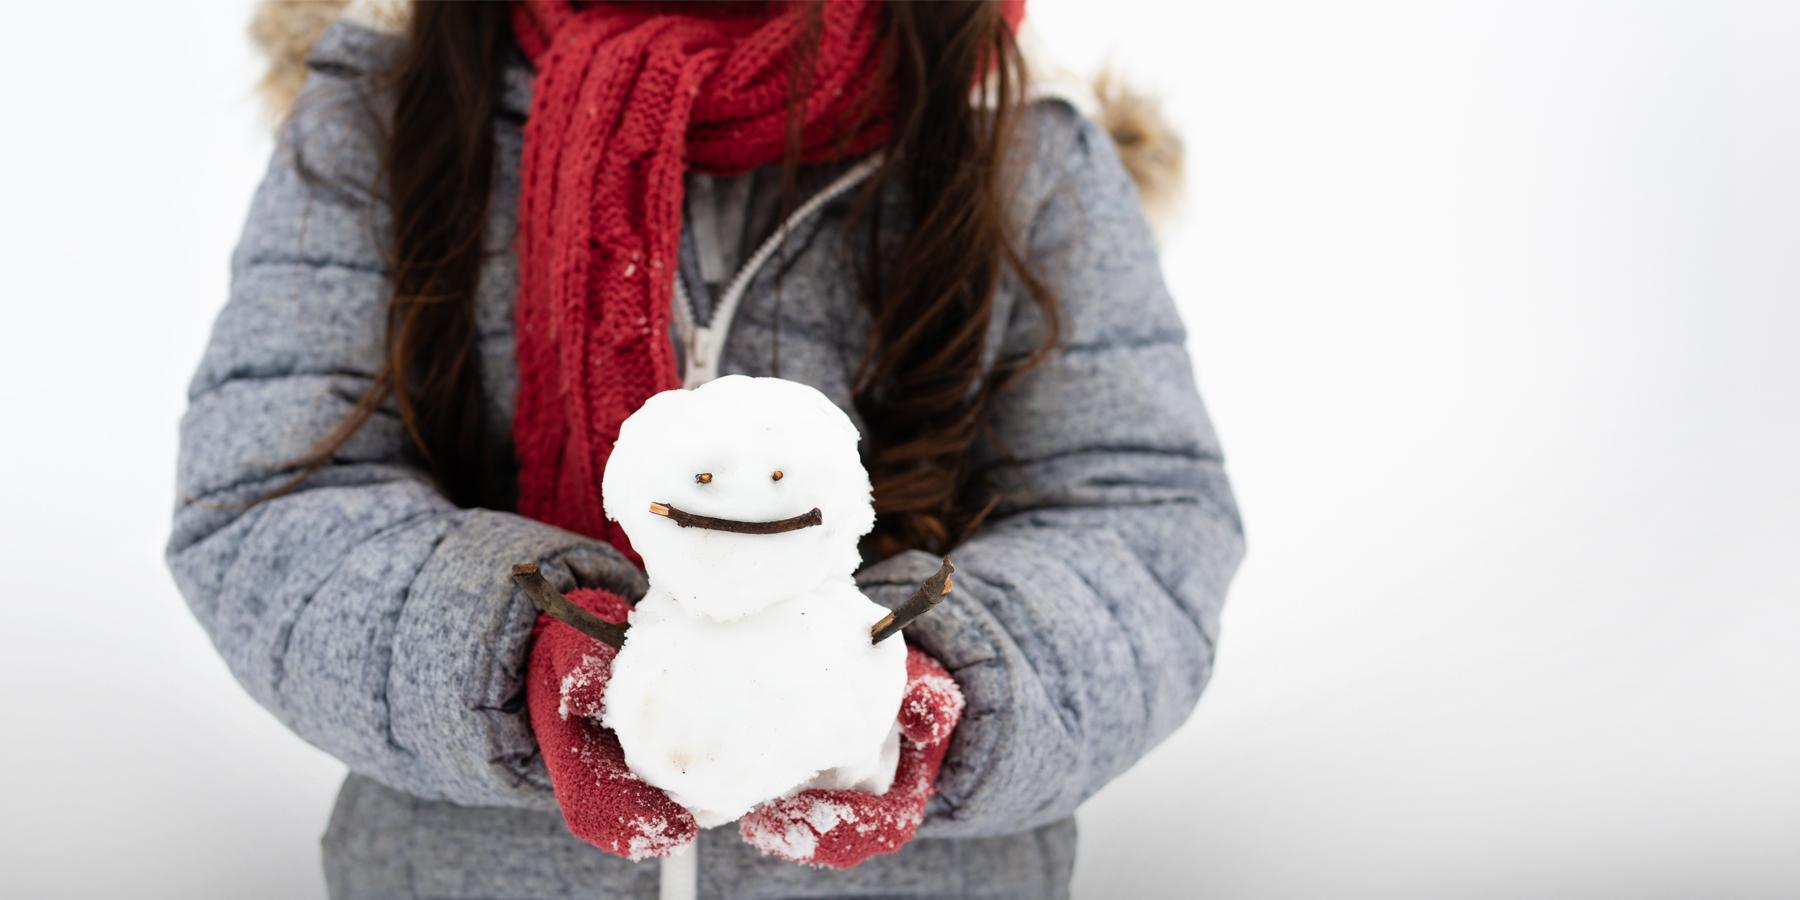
(928, 596)
(551, 602)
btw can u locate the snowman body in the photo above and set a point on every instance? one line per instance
(784, 695)
(748, 671)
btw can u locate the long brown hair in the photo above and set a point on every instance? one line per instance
(923, 389)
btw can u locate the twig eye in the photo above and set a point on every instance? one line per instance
(703, 478)
(775, 475)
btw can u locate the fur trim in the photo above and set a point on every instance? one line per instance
(1148, 145)
(284, 30)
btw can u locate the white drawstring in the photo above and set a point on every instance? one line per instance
(679, 877)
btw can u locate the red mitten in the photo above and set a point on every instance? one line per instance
(839, 829)
(602, 802)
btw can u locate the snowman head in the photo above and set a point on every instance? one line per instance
(735, 469)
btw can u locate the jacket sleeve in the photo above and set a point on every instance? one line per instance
(369, 614)
(1085, 613)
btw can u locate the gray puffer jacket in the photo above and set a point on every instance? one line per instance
(377, 620)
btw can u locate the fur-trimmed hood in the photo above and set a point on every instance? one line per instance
(1151, 150)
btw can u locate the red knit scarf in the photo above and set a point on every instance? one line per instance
(627, 98)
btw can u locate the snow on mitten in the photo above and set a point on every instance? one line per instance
(602, 802)
(838, 829)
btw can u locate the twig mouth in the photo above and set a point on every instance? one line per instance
(687, 519)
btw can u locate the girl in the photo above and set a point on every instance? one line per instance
(490, 231)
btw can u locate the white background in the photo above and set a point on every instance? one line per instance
(1495, 306)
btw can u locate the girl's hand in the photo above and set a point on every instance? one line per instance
(602, 802)
(839, 829)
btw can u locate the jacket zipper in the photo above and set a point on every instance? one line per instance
(703, 345)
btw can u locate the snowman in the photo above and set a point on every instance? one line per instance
(748, 671)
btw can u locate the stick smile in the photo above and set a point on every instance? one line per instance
(687, 519)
